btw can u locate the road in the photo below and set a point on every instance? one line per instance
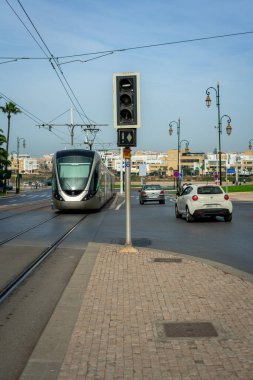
(24, 315)
(26, 197)
(155, 225)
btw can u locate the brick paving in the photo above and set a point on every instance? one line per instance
(119, 330)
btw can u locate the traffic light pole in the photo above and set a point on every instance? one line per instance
(128, 202)
(126, 98)
(128, 248)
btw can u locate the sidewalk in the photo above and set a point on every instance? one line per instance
(123, 316)
(242, 197)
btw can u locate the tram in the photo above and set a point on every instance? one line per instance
(80, 180)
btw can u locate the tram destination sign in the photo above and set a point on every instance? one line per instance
(126, 137)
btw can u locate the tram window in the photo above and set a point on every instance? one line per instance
(74, 172)
(94, 183)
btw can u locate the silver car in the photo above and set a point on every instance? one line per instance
(203, 200)
(151, 193)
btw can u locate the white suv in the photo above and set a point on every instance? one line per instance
(203, 200)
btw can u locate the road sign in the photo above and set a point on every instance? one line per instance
(142, 170)
(127, 153)
(127, 163)
(176, 173)
(231, 171)
(126, 137)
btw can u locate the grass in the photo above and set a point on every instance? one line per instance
(238, 188)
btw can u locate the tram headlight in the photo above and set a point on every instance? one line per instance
(57, 196)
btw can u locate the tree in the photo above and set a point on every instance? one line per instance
(10, 108)
(3, 157)
(3, 153)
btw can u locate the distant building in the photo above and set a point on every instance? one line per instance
(155, 163)
(190, 163)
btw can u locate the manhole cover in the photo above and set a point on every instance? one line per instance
(142, 242)
(167, 260)
(189, 330)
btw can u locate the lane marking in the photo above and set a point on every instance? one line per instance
(118, 207)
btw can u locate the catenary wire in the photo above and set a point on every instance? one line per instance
(136, 47)
(51, 58)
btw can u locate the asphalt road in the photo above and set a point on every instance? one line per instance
(25, 314)
(29, 196)
(155, 226)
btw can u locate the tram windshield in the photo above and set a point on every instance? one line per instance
(74, 172)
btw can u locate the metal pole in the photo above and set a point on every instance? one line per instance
(71, 127)
(128, 246)
(17, 181)
(128, 201)
(219, 130)
(121, 170)
(227, 163)
(178, 153)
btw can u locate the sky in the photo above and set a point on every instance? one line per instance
(174, 77)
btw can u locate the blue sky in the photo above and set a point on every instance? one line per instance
(174, 78)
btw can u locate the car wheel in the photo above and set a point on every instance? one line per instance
(189, 217)
(178, 215)
(228, 218)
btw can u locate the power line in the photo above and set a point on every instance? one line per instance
(107, 52)
(51, 59)
(24, 111)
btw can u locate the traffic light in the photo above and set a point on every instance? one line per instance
(126, 88)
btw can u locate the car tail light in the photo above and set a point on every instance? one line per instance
(195, 197)
(226, 197)
(162, 192)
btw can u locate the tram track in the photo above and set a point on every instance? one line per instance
(27, 230)
(20, 209)
(12, 285)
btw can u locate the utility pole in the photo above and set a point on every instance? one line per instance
(87, 128)
(71, 127)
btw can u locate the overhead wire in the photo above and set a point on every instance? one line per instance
(24, 111)
(107, 52)
(50, 57)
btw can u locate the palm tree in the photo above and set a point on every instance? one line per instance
(10, 108)
(2, 150)
(3, 156)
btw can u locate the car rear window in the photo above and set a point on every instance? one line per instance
(152, 187)
(209, 190)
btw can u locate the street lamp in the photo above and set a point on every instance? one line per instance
(187, 150)
(18, 176)
(228, 128)
(178, 145)
(250, 146)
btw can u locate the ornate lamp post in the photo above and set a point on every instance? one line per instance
(18, 176)
(178, 144)
(187, 150)
(228, 128)
(250, 145)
